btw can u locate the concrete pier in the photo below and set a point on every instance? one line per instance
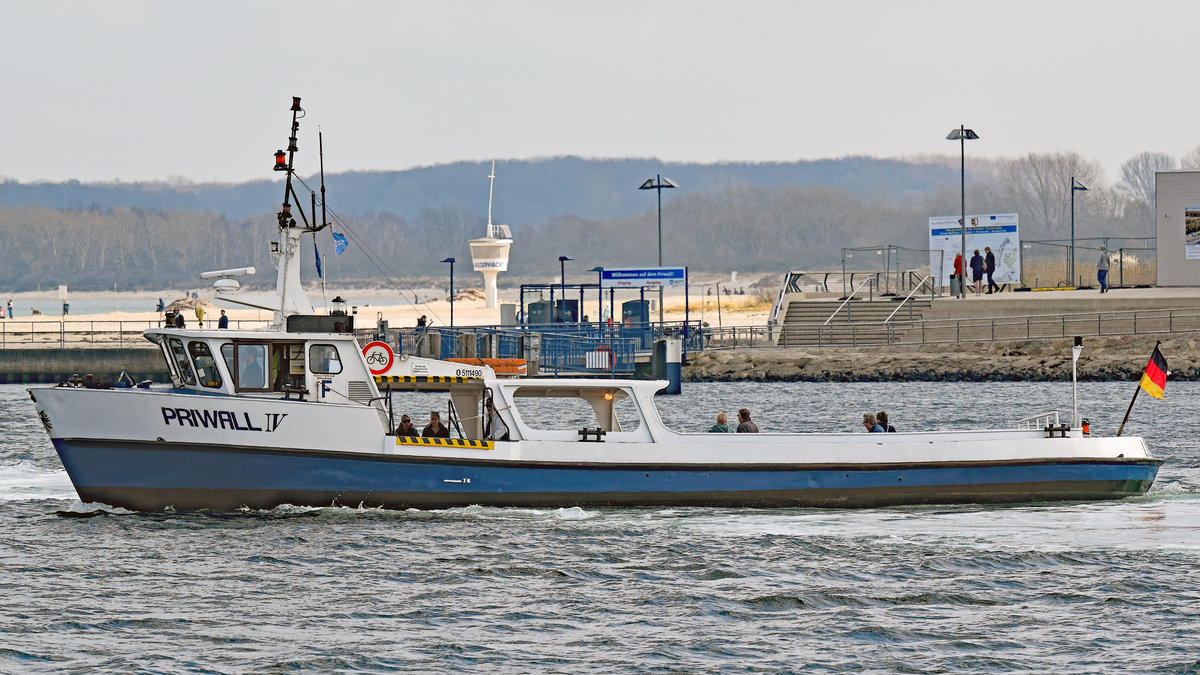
(52, 365)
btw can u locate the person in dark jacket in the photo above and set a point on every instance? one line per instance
(435, 428)
(745, 426)
(989, 266)
(882, 418)
(406, 427)
(977, 271)
(223, 322)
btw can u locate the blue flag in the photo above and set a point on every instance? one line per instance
(318, 259)
(339, 242)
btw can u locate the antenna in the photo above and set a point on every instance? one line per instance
(321, 152)
(491, 188)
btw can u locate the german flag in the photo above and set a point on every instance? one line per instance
(1154, 380)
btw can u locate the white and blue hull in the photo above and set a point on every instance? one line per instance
(149, 476)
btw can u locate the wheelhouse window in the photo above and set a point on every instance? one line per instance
(324, 360)
(250, 364)
(181, 361)
(206, 365)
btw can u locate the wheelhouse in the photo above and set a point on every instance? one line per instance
(321, 367)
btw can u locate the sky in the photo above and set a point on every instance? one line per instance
(135, 90)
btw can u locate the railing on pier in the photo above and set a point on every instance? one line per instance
(21, 334)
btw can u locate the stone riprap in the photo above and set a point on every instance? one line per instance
(1103, 359)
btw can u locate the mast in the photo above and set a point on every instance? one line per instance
(286, 253)
(491, 188)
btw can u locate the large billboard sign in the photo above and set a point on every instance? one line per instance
(643, 277)
(999, 231)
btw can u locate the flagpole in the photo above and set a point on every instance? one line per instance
(1136, 392)
(1135, 395)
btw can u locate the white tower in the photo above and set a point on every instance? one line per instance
(489, 255)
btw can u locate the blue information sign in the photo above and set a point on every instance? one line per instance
(643, 277)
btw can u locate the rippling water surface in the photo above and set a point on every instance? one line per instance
(1065, 588)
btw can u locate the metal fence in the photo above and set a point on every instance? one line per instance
(567, 354)
(1047, 263)
(1048, 326)
(20, 334)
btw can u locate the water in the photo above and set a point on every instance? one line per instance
(1064, 588)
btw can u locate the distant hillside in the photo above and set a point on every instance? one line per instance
(746, 217)
(527, 192)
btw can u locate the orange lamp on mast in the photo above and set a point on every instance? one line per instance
(280, 161)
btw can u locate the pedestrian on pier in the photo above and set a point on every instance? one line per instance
(977, 271)
(989, 266)
(1102, 269)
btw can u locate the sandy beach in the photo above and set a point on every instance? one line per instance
(400, 308)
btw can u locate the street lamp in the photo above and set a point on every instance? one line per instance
(451, 261)
(1075, 186)
(962, 135)
(562, 267)
(659, 183)
(599, 293)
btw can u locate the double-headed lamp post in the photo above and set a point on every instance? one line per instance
(451, 261)
(562, 277)
(962, 135)
(659, 183)
(1076, 186)
(599, 293)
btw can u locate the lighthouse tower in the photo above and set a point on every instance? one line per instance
(489, 255)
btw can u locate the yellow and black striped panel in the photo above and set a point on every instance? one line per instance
(425, 379)
(445, 442)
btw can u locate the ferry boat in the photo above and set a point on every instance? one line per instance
(299, 414)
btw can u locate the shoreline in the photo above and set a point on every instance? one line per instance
(1117, 358)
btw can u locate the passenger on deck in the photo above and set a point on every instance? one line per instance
(882, 418)
(495, 428)
(179, 320)
(406, 427)
(435, 428)
(871, 423)
(722, 425)
(745, 426)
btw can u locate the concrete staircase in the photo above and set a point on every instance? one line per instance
(860, 322)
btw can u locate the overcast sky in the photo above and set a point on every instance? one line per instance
(135, 90)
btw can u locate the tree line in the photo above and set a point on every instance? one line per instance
(731, 226)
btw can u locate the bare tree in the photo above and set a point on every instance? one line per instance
(1137, 182)
(1041, 187)
(1191, 160)
(1137, 174)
